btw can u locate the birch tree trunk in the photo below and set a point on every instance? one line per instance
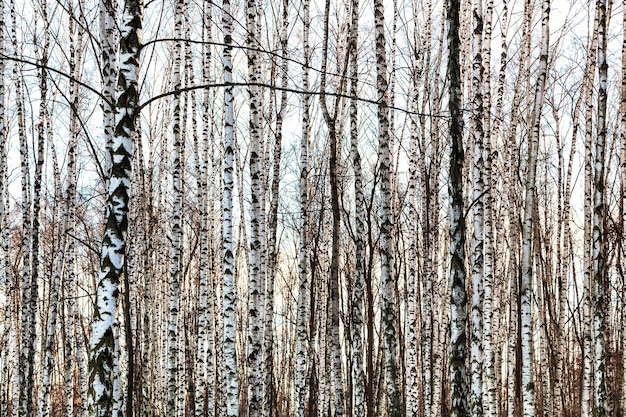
(587, 366)
(30, 227)
(478, 168)
(176, 218)
(257, 228)
(598, 247)
(490, 394)
(412, 371)
(334, 364)
(72, 355)
(304, 285)
(206, 333)
(229, 351)
(100, 392)
(528, 391)
(358, 375)
(387, 277)
(21, 388)
(204, 353)
(458, 297)
(54, 286)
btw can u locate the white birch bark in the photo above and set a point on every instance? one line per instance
(412, 374)
(118, 393)
(333, 361)
(478, 167)
(490, 393)
(109, 39)
(255, 268)
(528, 391)
(204, 348)
(458, 297)
(69, 281)
(428, 343)
(27, 344)
(412, 317)
(229, 351)
(24, 404)
(175, 281)
(302, 315)
(388, 282)
(102, 342)
(358, 375)
(598, 247)
(51, 328)
(587, 366)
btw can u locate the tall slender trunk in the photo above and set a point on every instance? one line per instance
(69, 281)
(73, 337)
(100, 392)
(204, 353)
(206, 346)
(428, 360)
(413, 313)
(387, 277)
(528, 390)
(43, 403)
(356, 314)
(175, 278)
(490, 394)
(229, 351)
(257, 220)
(304, 285)
(334, 365)
(458, 297)
(478, 168)
(412, 372)
(23, 345)
(599, 298)
(587, 348)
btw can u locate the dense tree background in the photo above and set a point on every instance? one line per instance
(328, 208)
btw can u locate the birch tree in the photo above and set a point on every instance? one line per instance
(458, 297)
(229, 352)
(100, 392)
(490, 394)
(598, 248)
(334, 365)
(528, 390)
(587, 368)
(389, 284)
(478, 169)
(256, 267)
(358, 376)
(177, 232)
(302, 314)
(204, 349)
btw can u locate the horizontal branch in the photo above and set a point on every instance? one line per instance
(214, 85)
